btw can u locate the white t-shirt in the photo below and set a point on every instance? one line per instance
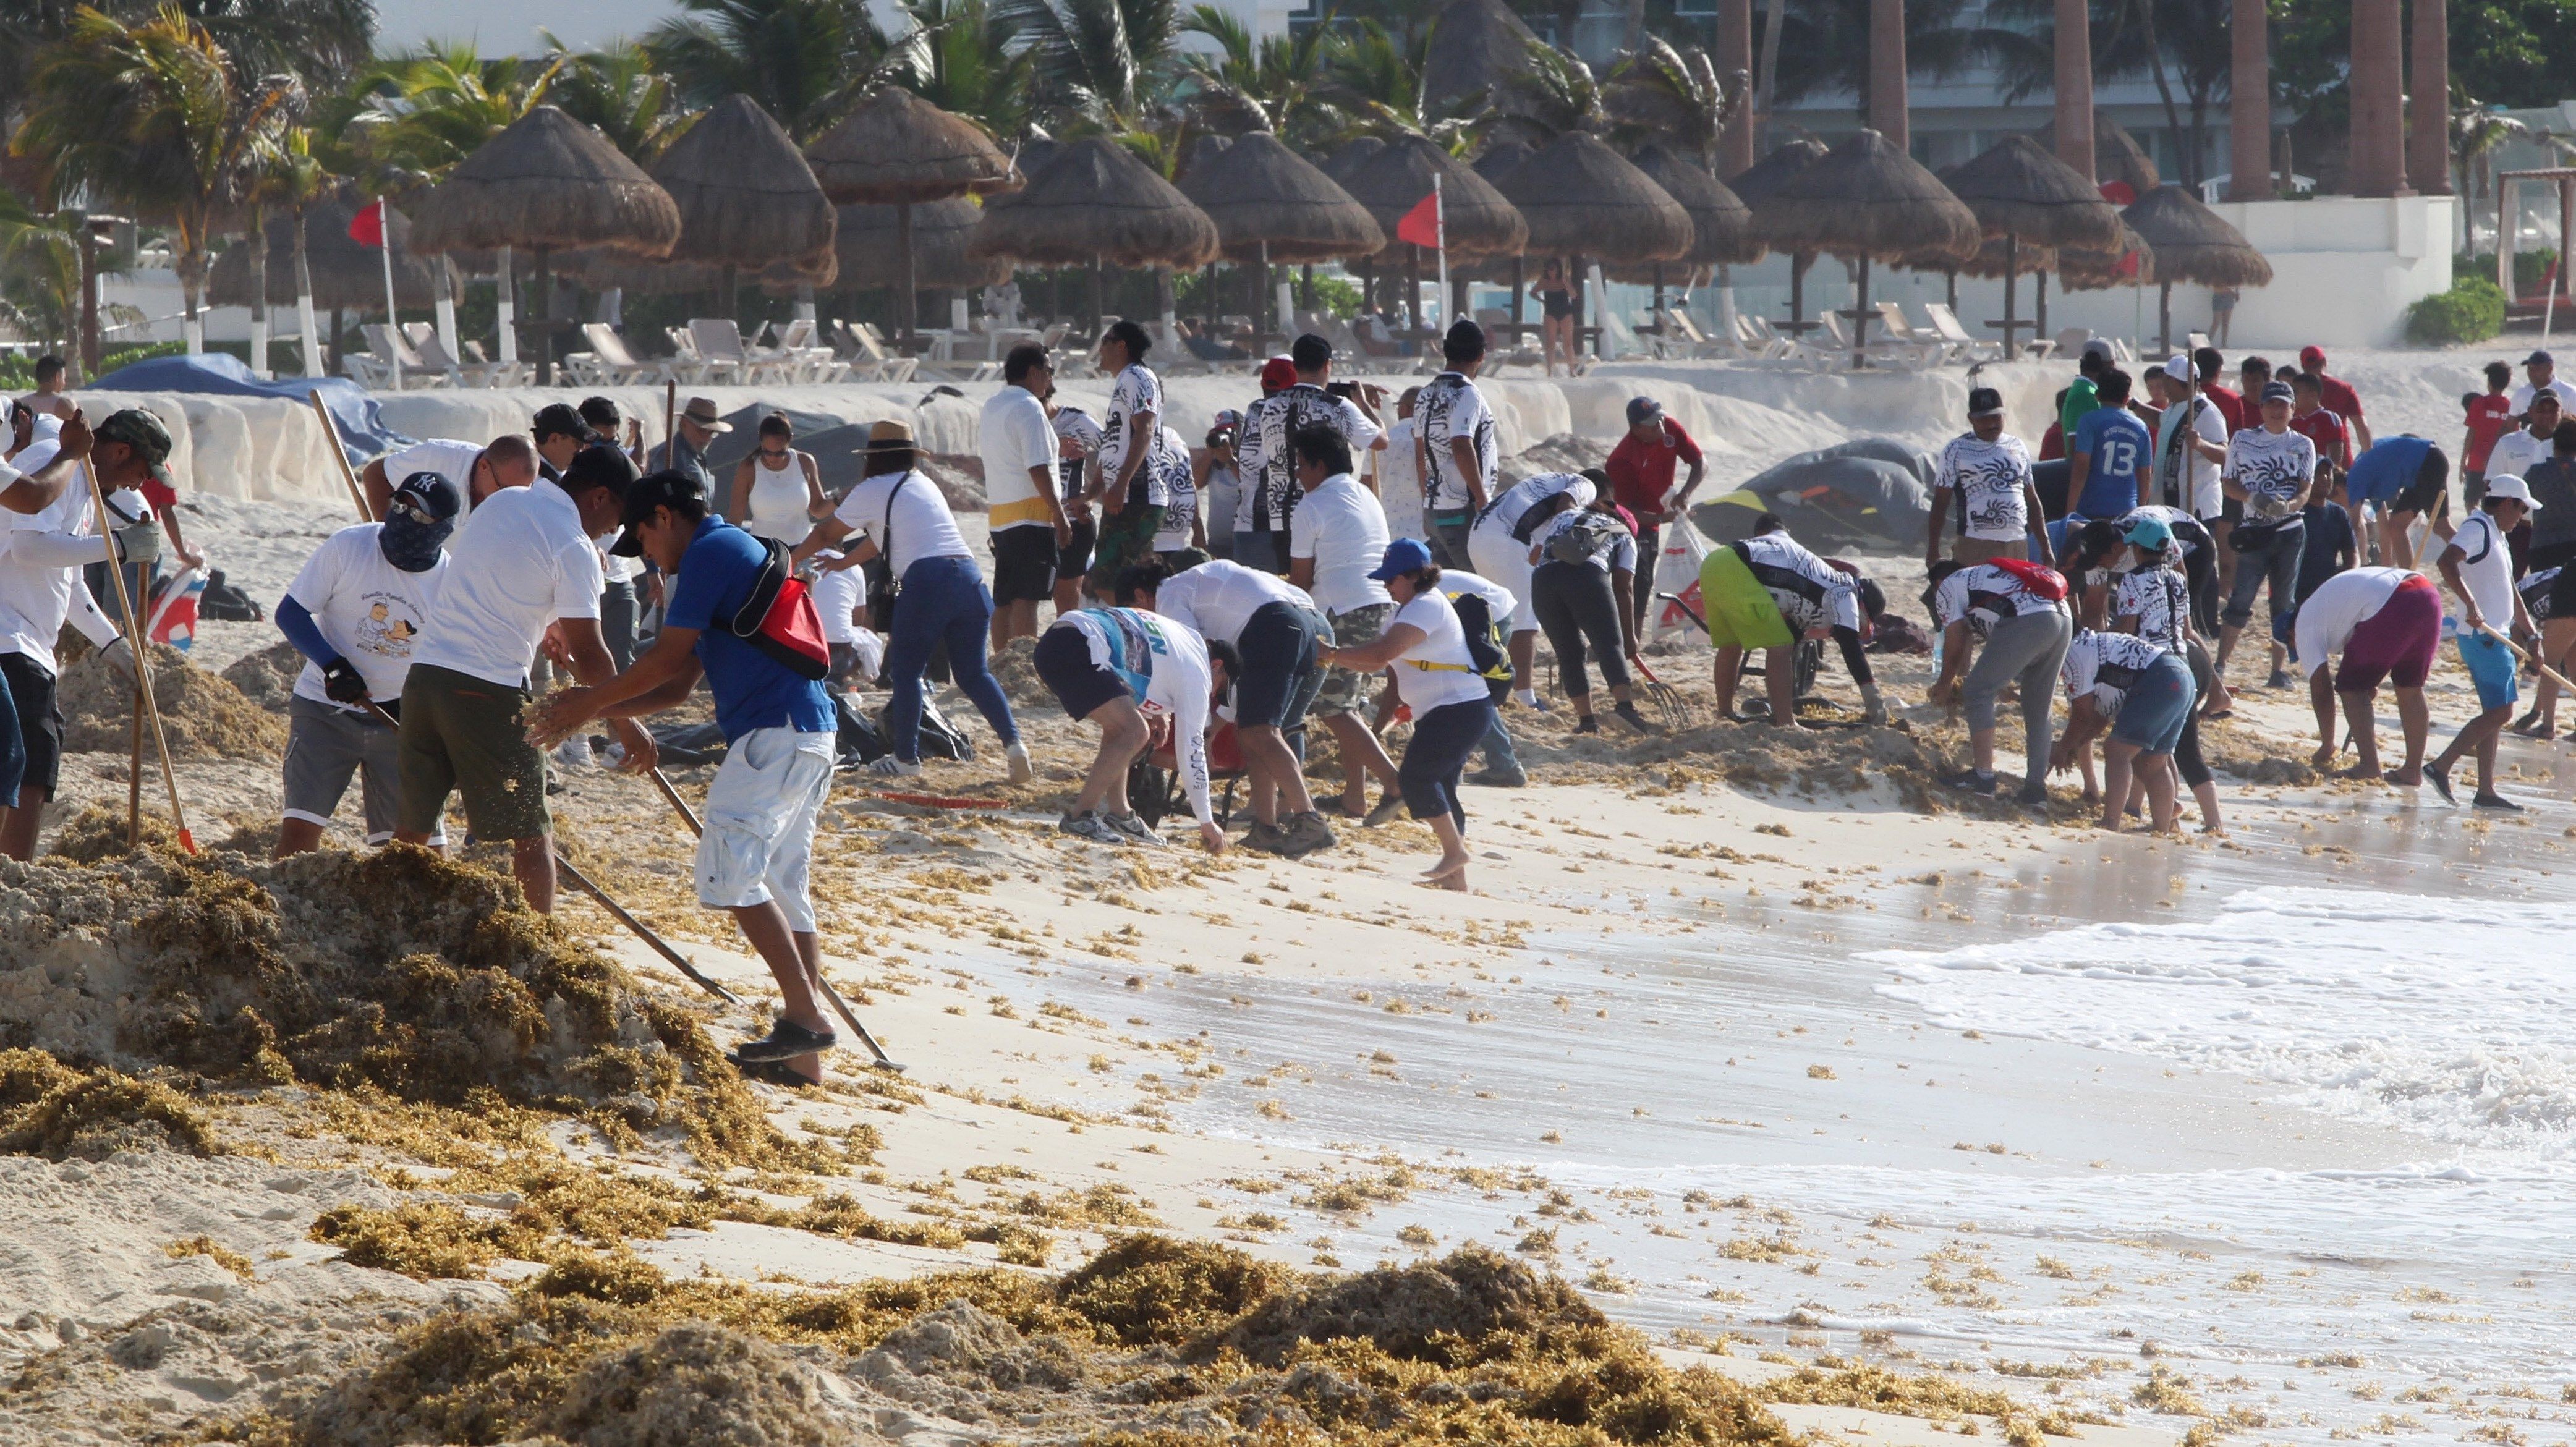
(2161, 602)
(1342, 528)
(1809, 590)
(448, 458)
(2516, 453)
(38, 593)
(1451, 676)
(1619, 556)
(2195, 476)
(1450, 408)
(1217, 598)
(2486, 567)
(1983, 595)
(518, 564)
(2107, 666)
(2272, 468)
(1505, 512)
(1180, 493)
(368, 609)
(2523, 393)
(1988, 481)
(1137, 391)
(923, 526)
(1499, 602)
(837, 594)
(1397, 476)
(1014, 436)
(1165, 667)
(2339, 605)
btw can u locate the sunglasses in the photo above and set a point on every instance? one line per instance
(409, 505)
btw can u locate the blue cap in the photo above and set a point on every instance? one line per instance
(2150, 533)
(1404, 555)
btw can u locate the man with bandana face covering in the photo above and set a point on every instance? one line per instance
(353, 612)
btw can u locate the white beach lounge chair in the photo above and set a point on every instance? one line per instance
(1965, 344)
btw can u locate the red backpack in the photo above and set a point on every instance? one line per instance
(779, 617)
(2039, 578)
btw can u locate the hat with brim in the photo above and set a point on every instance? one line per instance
(645, 494)
(2510, 486)
(146, 434)
(1404, 555)
(890, 436)
(702, 411)
(2150, 533)
(2179, 368)
(2278, 392)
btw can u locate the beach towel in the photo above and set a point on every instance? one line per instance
(1741, 612)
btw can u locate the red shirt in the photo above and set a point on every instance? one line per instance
(2328, 432)
(2339, 398)
(2489, 416)
(2052, 443)
(1641, 473)
(2230, 406)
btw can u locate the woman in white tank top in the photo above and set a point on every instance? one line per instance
(777, 490)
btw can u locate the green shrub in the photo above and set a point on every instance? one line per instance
(2471, 311)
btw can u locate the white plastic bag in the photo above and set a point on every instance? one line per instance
(1677, 573)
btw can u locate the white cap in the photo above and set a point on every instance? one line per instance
(2180, 368)
(2513, 487)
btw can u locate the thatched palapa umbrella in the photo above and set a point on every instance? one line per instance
(1476, 220)
(1494, 163)
(1272, 205)
(1755, 183)
(870, 257)
(1867, 200)
(1097, 203)
(1583, 199)
(900, 150)
(550, 183)
(2117, 156)
(327, 269)
(1473, 45)
(2191, 243)
(1721, 224)
(747, 199)
(2020, 191)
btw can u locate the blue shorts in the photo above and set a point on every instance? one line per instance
(2158, 705)
(2491, 668)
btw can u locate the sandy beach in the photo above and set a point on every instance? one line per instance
(1845, 1105)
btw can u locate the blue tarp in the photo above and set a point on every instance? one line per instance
(353, 409)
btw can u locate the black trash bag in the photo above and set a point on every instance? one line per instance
(690, 746)
(940, 739)
(226, 602)
(861, 742)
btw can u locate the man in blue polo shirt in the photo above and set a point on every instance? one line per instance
(2105, 457)
(779, 728)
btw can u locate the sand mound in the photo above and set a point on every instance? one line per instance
(698, 1385)
(1751, 755)
(1565, 452)
(967, 1364)
(1405, 1311)
(394, 969)
(267, 678)
(1155, 1288)
(202, 714)
(50, 1110)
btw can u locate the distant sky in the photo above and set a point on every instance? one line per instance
(501, 27)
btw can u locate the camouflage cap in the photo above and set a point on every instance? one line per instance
(143, 432)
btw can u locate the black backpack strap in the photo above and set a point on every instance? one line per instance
(775, 569)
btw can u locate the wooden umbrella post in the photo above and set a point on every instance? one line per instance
(340, 455)
(670, 423)
(136, 640)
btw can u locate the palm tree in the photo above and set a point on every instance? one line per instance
(286, 175)
(1823, 46)
(1280, 85)
(1658, 93)
(40, 270)
(805, 61)
(154, 115)
(618, 91)
(1100, 64)
(966, 62)
(1555, 93)
(1376, 88)
(322, 40)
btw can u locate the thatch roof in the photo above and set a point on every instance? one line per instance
(1584, 199)
(2015, 187)
(2089, 270)
(1097, 201)
(1474, 44)
(1499, 158)
(1987, 263)
(2192, 244)
(547, 182)
(746, 197)
(1345, 161)
(345, 274)
(1721, 224)
(1866, 198)
(899, 147)
(599, 270)
(1480, 222)
(2117, 156)
(939, 235)
(1258, 192)
(1204, 152)
(1774, 170)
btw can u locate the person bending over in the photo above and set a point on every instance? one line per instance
(2385, 624)
(1776, 593)
(2016, 636)
(1583, 571)
(1127, 671)
(2139, 695)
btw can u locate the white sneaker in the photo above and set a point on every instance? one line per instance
(1017, 756)
(893, 767)
(574, 753)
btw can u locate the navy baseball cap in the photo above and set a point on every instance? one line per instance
(660, 489)
(1404, 555)
(2279, 392)
(1643, 409)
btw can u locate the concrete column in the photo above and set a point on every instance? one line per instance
(1887, 100)
(2376, 164)
(1735, 58)
(2249, 105)
(2075, 86)
(2428, 157)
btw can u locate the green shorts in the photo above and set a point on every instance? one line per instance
(462, 734)
(1128, 537)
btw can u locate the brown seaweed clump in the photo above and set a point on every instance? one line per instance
(393, 971)
(1471, 1348)
(202, 714)
(48, 1109)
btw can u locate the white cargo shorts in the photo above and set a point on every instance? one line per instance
(761, 809)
